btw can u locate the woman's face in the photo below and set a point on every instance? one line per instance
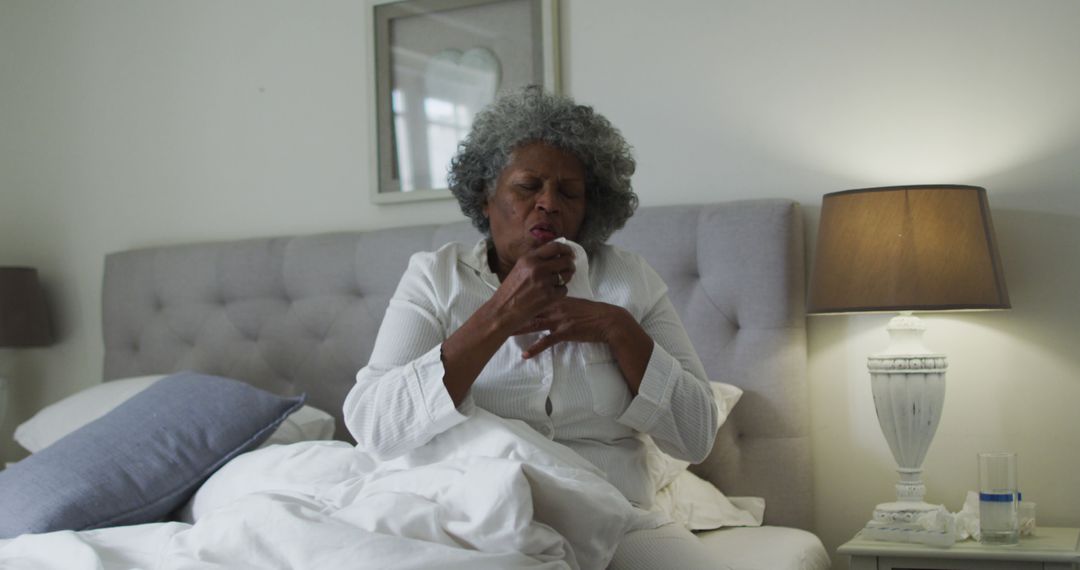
(539, 196)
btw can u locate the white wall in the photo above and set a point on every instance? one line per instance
(125, 124)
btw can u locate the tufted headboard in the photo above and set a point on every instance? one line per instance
(300, 314)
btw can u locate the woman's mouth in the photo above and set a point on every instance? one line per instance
(543, 233)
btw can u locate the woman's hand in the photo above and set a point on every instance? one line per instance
(530, 286)
(537, 280)
(581, 320)
(575, 320)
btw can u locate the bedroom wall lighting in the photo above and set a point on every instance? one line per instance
(24, 316)
(906, 249)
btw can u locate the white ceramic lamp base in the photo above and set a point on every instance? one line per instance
(908, 383)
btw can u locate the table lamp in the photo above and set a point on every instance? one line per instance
(907, 249)
(24, 317)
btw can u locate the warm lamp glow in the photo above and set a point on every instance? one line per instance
(906, 248)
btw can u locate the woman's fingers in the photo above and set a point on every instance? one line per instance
(554, 249)
(545, 342)
(535, 325)
(547, 272)
(537, 280)
(553, 261)
(569, 319)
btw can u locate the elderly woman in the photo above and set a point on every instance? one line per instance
(578, 341)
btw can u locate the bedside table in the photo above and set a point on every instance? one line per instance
(1046, 549)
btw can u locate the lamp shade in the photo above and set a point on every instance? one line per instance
(906, 248)
(24, 316)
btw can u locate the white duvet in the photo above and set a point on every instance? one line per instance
(488, 493)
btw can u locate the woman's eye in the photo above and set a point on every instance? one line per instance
(531, 186)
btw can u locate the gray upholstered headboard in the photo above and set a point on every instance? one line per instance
(296, 314)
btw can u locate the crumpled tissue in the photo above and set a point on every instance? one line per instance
(967, 520)
(938, 520)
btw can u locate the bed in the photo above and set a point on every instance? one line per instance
(298, 315)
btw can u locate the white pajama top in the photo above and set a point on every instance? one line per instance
(572, 392)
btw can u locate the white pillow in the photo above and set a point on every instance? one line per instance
(305, 424)
(662, 467)
(686, 498)
(698, 505)
(61, 418)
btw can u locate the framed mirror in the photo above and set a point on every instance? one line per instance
(437, 63)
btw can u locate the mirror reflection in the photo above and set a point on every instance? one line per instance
(433, 102)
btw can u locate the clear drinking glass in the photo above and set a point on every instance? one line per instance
(998, 520)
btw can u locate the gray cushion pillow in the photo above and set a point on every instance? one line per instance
(142, 460)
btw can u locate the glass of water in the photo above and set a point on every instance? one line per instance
(998, 500)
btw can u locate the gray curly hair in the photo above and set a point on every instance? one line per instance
(531, 115)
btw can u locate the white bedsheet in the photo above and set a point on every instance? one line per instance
(489, 493)
(766, 548)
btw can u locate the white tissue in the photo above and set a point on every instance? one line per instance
(939, 520)
(967, 520)
(579, 285)
(1027, 518)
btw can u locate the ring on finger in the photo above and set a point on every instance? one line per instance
(559, 282)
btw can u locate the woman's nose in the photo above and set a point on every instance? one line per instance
(548, 199)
